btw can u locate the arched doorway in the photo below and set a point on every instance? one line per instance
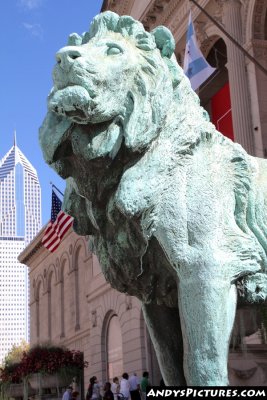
(114, 348)
(149, 362)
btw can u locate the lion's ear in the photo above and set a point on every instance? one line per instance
(166, 44)
(164, 41)
(74, 40)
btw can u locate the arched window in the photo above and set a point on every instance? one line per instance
(77, 289)
(38, 311)
(50, 300)
(62, 301)
(265, 27)
(114, 348)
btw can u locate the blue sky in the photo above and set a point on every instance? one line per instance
(31, 33)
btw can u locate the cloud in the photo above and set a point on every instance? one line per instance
(31, 4)
(35, 29)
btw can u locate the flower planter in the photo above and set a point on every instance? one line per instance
(16, 390)
(44, 381)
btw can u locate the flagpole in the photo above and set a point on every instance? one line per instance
(54, 186)
(250, 57)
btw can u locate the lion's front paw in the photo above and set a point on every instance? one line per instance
(255, 287)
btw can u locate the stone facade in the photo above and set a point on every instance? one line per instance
(72, 305)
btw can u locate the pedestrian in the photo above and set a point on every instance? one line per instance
(124, 386)
(144, 384)
(134, 384)
(75, 395)
(93, 392)
(108, 395)
(68, 393)
(115, 387)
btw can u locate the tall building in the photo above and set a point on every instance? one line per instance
(20, 221)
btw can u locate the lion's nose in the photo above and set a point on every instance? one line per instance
(66, 56)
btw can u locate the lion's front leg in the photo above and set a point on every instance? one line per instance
(207, 311)
(165, 331)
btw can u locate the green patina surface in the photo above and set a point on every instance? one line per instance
(176, 211)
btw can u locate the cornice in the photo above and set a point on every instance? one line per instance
(35, 250)
(33, 247)
(259, 18)
(120, 7)
(178, 21)
(153, 15)
(260, 50)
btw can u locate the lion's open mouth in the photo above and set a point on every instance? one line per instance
(77, 115)
(93, 134)
(64, 150)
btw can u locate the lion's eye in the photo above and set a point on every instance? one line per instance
(112, 50)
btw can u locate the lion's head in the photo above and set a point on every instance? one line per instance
(119, 80)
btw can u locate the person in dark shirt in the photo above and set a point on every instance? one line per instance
(108, 395)
(144, 384)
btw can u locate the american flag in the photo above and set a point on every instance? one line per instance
(59, 224)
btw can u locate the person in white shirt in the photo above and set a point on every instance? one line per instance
(134, 383)
(93, 392)
(115, 387)
(124, 386)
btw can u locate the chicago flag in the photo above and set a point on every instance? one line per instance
(196, 68)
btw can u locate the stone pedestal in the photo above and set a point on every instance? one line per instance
(18, 390)
(15, 390)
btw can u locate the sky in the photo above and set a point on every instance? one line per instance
(31, 33)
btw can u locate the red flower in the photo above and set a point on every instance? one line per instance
(43, 359)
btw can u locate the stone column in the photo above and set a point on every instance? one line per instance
(238, 80)
(259, 89)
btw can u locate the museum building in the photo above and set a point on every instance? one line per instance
(71, 303)
(235, 95)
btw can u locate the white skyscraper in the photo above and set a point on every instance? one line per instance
(20, 221)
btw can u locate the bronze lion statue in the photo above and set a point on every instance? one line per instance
(176, 211)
